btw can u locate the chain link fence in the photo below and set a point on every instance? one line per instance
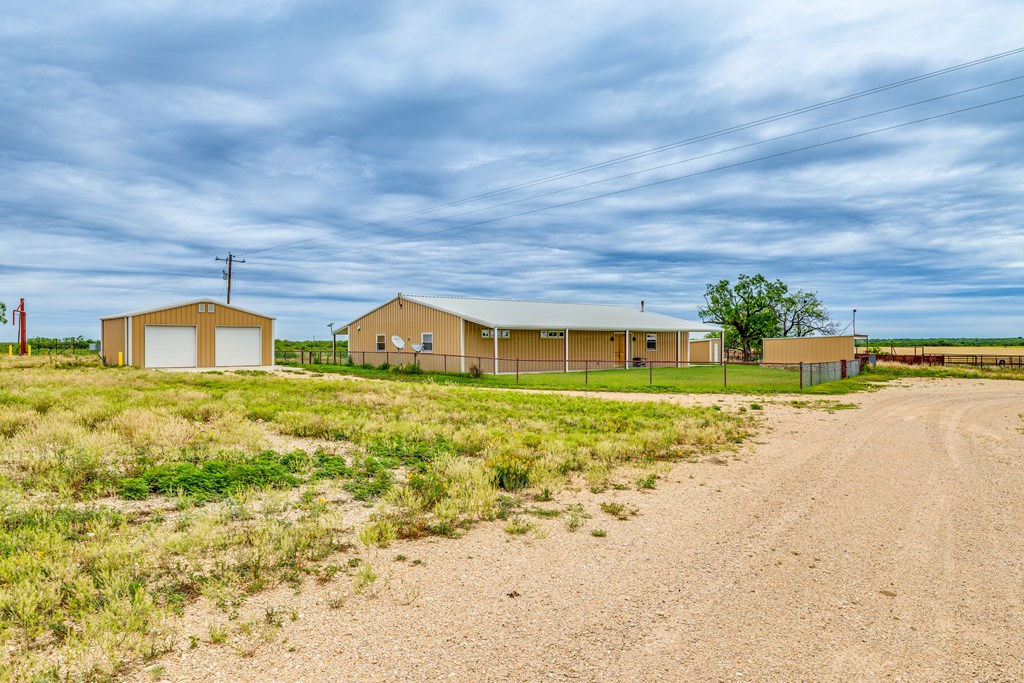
(820, 373)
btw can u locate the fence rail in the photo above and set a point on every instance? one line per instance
(976, 360)
(488, 365)
(643, 369)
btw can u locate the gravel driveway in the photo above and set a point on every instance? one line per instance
(880, 543)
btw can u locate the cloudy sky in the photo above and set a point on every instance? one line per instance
(571, 150)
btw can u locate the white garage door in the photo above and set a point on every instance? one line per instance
(238, 346)
(170, 346)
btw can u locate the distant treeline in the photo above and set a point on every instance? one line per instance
(292, 345)
(950, 341)
(54, 342)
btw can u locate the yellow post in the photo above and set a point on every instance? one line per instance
(120, 358)
(30, 349)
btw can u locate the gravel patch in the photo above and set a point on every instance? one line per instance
(877, 543)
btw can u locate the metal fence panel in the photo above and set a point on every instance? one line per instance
(820, 373)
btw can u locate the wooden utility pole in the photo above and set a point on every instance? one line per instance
(230, 260)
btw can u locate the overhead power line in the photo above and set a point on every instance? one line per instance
(156, 283)
(679, 143)
(350, 232)
(687, 176)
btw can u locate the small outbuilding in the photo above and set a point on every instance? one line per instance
(793, 350)
(500, 335)
(195, 334)
(706, 350)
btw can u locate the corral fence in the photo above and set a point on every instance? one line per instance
(644, 370)
(820, 373)
(975, 360)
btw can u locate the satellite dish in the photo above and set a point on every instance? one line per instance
(417, 347)
(398, 342)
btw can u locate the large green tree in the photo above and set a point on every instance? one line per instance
(755, 308)
(802, 314)
(3, 313)
(746, 310)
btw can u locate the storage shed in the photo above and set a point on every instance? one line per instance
(500, 335)
(705, 350)
(808, 349)
(195, 334)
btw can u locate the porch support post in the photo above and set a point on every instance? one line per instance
(567, 349)
(462, 345)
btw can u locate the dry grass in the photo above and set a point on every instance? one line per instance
(90, 584)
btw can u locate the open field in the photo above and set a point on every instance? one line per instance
(876, 543)
(128, 496)
(958, 350)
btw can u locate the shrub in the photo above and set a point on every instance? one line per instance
(429, 486)
(370, 479)
(217, 478)
(134, 489)
(648, 482)
(409, 369)
(511, 472)
(475, 372)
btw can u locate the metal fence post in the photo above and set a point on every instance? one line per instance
(586, 372)
(801, 375)
(650, 370)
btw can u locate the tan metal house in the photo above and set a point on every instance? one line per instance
(808, 349)
(195, 334)
(500, 335)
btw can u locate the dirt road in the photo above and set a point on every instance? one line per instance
(881, 543)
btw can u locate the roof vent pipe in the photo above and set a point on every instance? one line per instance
(641, 305)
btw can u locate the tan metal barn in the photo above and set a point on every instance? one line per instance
(808, 349)
(705, 350)
(456, 333)
(195, 334)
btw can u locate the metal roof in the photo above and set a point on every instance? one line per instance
(532, 315)
(185, 303)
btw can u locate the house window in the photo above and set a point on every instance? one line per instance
(652, 342)
(504, 334)
(209, 308)
(552, 334)
(202, 308)
(427, 341)
(382, 344)
(486, 333)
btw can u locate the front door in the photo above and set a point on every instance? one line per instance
(620, 350)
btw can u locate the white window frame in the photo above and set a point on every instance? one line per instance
(202, 308)
(382, 341)
(652, 337)
(424, 343)
(486, 333)
(209, 308)
(552, 334)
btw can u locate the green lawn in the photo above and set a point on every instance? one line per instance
(741, 379)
